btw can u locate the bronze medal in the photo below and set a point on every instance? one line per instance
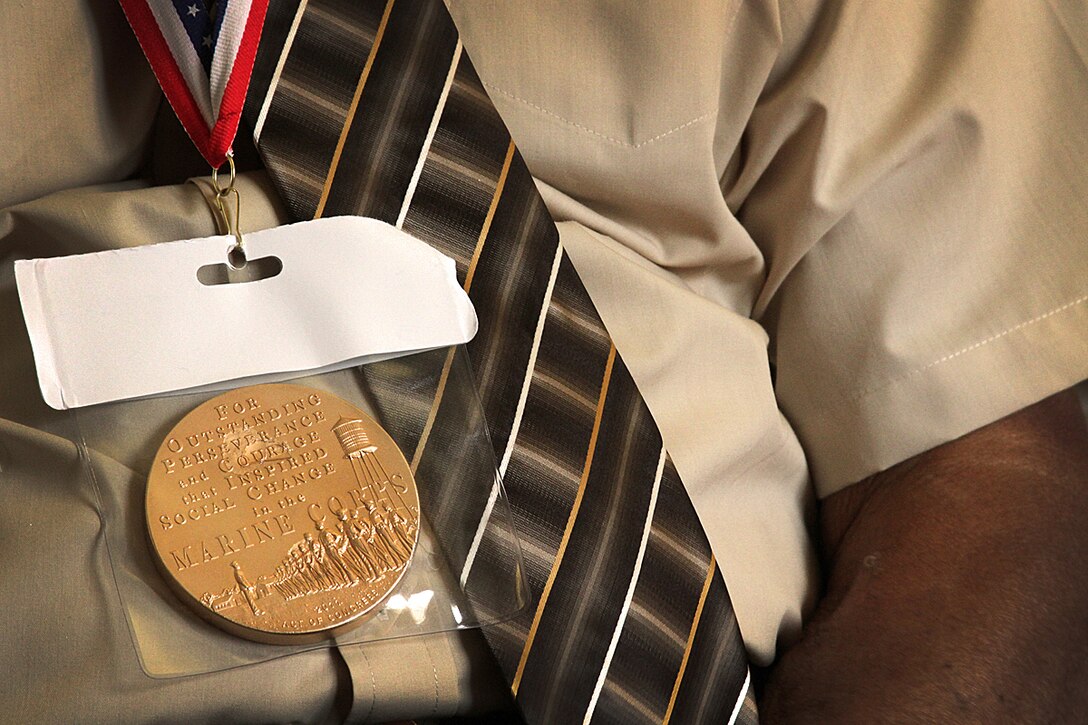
(282, 513)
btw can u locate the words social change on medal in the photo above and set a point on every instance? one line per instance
(257, 457)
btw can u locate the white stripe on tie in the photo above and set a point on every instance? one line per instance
(743, 694)
(276, 74)
(519, 411)
(630, 589)
(430, 135)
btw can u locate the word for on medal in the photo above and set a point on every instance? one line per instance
(238, 442)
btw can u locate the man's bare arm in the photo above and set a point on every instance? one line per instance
(957, 586)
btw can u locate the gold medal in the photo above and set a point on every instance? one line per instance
(282, 513)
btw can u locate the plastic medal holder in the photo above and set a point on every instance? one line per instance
(307, 489)
(400, 568)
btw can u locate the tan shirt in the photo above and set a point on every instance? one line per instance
(824, 237)
(861, 226)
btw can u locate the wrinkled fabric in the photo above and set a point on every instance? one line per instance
(825, 236)
(68, 648)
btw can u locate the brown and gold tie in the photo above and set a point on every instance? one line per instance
(371, 107)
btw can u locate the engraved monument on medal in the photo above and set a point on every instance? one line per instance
(282, 513)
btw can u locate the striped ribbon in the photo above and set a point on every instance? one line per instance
(372, 107)
(202, 54)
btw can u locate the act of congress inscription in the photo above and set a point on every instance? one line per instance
(282, 513)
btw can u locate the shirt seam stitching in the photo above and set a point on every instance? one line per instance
(373, 685)
(598, 134)
(970, 348)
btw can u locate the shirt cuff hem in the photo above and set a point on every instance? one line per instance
(962, 391)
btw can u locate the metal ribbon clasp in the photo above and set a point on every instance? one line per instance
(228, 224)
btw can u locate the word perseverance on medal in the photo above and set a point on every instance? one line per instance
(282, 513)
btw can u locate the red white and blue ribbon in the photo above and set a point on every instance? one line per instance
(202, 52)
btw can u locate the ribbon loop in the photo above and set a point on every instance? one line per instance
(227, 223)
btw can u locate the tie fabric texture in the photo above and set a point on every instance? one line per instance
(372, 108)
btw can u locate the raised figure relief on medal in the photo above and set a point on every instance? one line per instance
(282, 513)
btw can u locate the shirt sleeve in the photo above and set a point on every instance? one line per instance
(916, 180)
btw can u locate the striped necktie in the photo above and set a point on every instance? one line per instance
(371, 107)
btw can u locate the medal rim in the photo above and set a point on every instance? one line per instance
(311, 636)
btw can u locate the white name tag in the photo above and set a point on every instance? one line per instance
(138, 322)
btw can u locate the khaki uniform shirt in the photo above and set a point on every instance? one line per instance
(825, 237)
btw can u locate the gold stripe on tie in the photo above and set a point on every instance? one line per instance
(691, 639)
(351, 111)
(442, 378)
(570, 522)
(301, 171)
(499, 186)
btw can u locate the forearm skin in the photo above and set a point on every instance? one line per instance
(957, 586)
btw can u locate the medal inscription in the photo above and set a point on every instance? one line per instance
(282, 513)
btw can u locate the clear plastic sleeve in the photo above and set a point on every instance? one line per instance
(466, 570)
